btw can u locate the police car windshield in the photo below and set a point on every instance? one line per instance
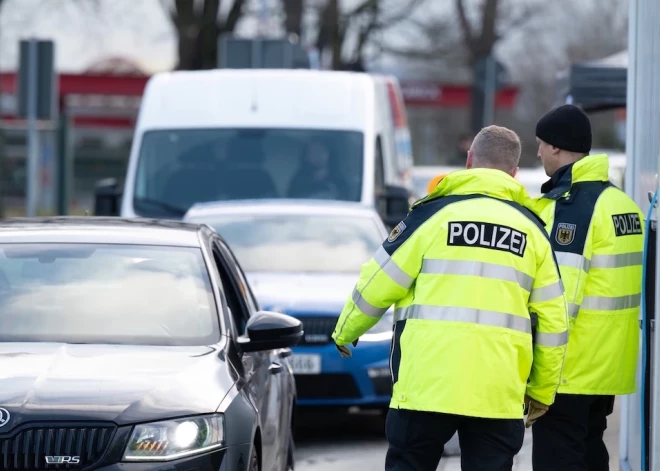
(178, 168)
(300, 243)
(119, 294)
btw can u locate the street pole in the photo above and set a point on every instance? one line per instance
(489, 92)
(32, 186)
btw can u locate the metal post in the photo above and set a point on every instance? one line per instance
(32, 163)
(489, 91)
(63, 163)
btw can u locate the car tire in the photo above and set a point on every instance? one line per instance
(254, 460)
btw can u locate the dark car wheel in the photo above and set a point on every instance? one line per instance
(254, 460)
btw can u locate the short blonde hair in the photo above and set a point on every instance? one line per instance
(496, 147)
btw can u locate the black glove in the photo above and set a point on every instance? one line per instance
(344, 351)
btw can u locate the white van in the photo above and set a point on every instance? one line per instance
(233, 134)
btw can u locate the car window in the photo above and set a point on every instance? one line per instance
(244, 286)
(235, 301)
(178, 168)
(299, 243)
(89, 293)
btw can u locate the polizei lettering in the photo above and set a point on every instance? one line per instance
(487, 235)
(627, 224)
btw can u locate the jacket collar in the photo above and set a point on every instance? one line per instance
(484, 181)
(592, 168)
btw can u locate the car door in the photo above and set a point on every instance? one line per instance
(269, 371)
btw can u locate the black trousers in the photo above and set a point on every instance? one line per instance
(417, 440)
(569, 437)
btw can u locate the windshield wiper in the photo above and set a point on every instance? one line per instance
(171, 209)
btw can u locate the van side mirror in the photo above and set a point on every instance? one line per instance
(396, 201)
(270, 331)
(107, 197)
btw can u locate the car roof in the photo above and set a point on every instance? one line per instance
(102, 230)
(281, 206)
(239, 98)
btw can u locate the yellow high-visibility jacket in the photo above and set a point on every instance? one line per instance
(464, 270)
(597, 233)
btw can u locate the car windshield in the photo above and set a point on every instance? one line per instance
(178, 168)
(299, 243)
(124, 294)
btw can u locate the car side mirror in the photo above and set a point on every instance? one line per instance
(396, 201)
(269, 331)
(107, 197)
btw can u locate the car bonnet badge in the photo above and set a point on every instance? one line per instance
(4, 417)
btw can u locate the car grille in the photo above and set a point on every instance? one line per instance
(28, 449)
(327, 386)
(318, 330)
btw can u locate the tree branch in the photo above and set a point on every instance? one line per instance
(466, 29)
(233, 16)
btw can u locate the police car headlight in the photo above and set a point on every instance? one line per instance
(383, 330)
(174, 439)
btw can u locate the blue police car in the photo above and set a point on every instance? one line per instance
(302, 258)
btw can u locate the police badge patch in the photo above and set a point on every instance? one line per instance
(396, 232)
(565, 233)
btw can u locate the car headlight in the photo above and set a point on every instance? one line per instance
(173, 439)
(383, 329)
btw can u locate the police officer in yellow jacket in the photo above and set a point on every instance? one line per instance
(597, 234)
(464, 271)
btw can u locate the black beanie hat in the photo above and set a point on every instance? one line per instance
(566, 127)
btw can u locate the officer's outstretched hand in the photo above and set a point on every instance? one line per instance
(344, 351)
(534, 410)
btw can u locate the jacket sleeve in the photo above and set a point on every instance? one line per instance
(547, 301)
(385, 278)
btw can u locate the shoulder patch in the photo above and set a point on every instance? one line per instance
(627, 224)
(565, 233)
(396, 232)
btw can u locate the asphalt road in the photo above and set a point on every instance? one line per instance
(343, 442)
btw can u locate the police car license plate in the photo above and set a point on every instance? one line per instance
(306, 364)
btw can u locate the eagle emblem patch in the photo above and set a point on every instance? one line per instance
(396, 232)
(565, 233)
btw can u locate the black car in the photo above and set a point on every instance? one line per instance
(120, 350)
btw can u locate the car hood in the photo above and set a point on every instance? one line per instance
(122, 384)
(302, 292)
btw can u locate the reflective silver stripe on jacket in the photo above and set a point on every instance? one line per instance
(546, 293)
(391, 269)
(364, 306)
(493, 271)
(604, 303)
(619, 260)
(475, 268)
(479, 316)
(573, 309)
(573, 260)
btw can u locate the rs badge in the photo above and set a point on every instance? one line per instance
(565, 233)
(396, 232)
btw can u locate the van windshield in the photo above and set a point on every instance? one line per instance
(178, 168)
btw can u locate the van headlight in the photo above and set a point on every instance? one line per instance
(174, 439)
(383, 329)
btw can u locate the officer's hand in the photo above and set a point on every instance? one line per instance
(344, 351)
(535, 409)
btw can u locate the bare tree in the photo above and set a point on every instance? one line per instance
(293, 9)
(348, 33)
(198, 30)
(469, 35)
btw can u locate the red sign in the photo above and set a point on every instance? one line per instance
(432, 94)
